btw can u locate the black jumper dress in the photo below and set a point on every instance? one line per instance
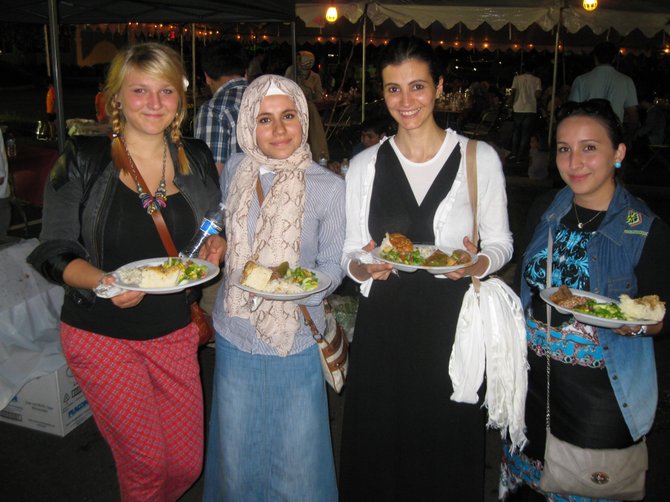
(403, 438)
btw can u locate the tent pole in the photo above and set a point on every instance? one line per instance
(47, 52)
(365, 22)
(55, 72)
(194, 90)
(181, 43)
(553, 82)
(294, 52)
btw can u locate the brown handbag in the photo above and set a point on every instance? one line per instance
(198, 315)
(333, 348)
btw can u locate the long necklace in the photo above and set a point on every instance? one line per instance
(581, 225)
(159, 199)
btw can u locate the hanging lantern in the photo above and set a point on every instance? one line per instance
(590, 5)
(331, 14)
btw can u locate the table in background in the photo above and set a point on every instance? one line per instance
(450, 117)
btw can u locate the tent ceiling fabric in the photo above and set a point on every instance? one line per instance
(148, 11)
(649, 16)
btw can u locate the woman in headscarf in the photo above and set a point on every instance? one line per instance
(269, 435)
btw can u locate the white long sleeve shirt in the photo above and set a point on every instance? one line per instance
(453, 218)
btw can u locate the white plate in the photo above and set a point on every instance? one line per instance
(593, 320)
(212, 271)
(324, 282)
(426, 250)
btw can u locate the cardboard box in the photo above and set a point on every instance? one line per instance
(53, 403)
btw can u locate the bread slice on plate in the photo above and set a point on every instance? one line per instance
(255, 276)
(159, 276)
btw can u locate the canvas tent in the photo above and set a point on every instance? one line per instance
(624, 16)
(60, 12)
(649, 16)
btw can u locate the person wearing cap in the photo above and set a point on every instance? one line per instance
(310, 83)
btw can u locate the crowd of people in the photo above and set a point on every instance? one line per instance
(404, 437)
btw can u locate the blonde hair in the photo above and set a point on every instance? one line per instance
(159, 62)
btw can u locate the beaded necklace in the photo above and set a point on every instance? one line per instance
(159, 199)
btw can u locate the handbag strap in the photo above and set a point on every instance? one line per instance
(547, 350)
(471, 170)
(310, 322)
(157, 217)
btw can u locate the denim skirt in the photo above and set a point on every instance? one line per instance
(269, 435)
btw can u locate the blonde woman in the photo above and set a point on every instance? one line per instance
(133, 355)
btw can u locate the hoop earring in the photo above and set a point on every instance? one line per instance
(617, 164)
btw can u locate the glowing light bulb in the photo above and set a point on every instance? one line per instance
(331, 14)
(590, 5)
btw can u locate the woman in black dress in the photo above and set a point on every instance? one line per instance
(403, 438)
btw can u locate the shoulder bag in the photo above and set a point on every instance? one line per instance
(490, 338)
(333, 348)
(602, 473)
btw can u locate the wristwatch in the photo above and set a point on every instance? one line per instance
(641, 331)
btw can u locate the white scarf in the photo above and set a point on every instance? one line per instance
(491, 334)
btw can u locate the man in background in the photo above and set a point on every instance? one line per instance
(310, 83)
(100, 111)
(51, 109)
(224, 65)
(373, 130)
(526, 88)
(607, 83)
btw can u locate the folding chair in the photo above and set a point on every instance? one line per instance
(482, 129)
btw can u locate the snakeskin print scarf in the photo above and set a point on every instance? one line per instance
(277, 236)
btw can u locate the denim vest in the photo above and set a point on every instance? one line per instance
(614, 251)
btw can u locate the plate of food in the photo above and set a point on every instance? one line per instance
(406, 256)
(598, 310)
(280, 282)
(164, 275)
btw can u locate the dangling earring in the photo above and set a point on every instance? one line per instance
(617, 164)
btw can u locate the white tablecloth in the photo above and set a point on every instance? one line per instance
(29, 321)
(87, 127)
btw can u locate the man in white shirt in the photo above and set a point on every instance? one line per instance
(605, 82)
(526, 88)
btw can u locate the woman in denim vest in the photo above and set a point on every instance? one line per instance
(605, 240)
